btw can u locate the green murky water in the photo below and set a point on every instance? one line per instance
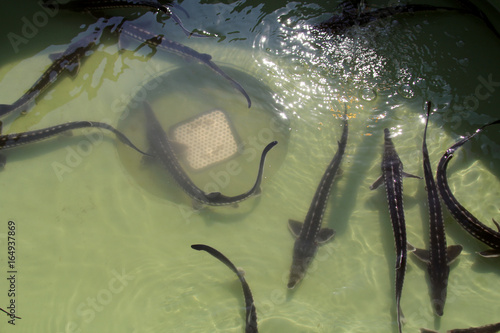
(103, 239)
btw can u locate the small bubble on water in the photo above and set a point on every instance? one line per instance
(406, 91)
(368, 94)
(460, 43)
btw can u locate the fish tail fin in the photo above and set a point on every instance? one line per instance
(401, 318)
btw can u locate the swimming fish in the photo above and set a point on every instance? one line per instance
(9, 141)
(96, 5)
(188, 53)
(67, 61)
(468, 221)
(309, 235)
(351, 16)
(438, 257)
(392, 177)
(493, 328)
(251, 314)
(162, 149)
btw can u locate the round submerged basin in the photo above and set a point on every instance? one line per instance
(217, 139)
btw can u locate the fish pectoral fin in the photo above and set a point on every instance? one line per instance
(496, 223)
(295, 227)
(492, 253)
(54, 56)
(324, 235)
(146, 160)
(205, 57)
(422, 255)
(409, 175)
(74, 68)
(377, 183)
(452, 252)
(179, 148)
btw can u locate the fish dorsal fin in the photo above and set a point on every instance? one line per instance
(493, 253)
(54, 56)
(295, 227)
(74, 67)
(452, 252)
(324, 235)
(422, 255)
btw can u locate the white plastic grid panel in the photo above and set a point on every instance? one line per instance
(209, 139)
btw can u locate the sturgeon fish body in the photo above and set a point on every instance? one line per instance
(439, 256)
(67, 61)
(159, 41)
(9, 141)
(392, 177)
(492, 328)
(465, 218)
(92, 6)
(351, 16)
(251, 313)
(162, 149)
(309, 235)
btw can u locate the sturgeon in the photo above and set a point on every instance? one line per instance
(492, 328)
(67, 61)
(162, 149)
(438, 257)
(188, 53)
(392, 177)
(468, 221)
(350, 16)
(251, 313)
(9, 141)
(309, 235)
(95, 5)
